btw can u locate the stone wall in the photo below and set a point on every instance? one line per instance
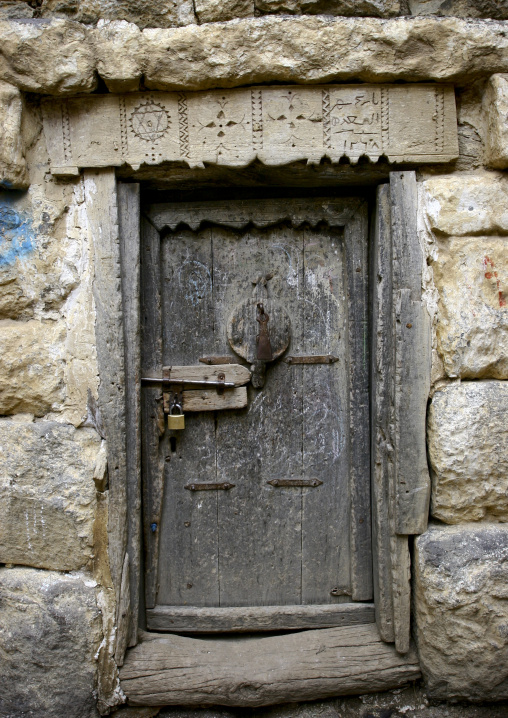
(55, 586)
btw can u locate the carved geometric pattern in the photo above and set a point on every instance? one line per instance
(439, 119)
(66, 132)
(183, 117)
(257, 119)
(150, 121)
(123, 127)
(327, 130)
(385, 120)
(276, 124)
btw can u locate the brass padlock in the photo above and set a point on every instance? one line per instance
(176, 421)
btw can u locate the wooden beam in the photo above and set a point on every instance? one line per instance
(177, 670)
(257, 618)
(129, 218)
(357, 268)
(335, 211)
(412, 360)
(382, 375)
(102, 214)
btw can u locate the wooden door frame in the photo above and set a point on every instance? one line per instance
(400, 382)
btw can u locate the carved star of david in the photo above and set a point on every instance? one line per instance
(150, 121)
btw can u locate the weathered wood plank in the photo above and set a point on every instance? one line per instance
(206, 400)
(356, 234)
(123, 614)
(236, 374)
(382, 408)
(188, 567)
(176, 670)
(259, 525)
(412, 362)
(258, 618)
(326, 560)
(102, 215)
(262, 213)
(401, 578)
(151, 409)
(129, 227)
(412, 387)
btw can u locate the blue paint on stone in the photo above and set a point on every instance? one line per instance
(17, 237)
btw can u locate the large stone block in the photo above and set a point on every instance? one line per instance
(217, 10)
(321, 49)
(460, 8)
(53, 57)
(463, 205)
(372, 8)
(471, 276)
(496, 112)
(468, 451)
(117, 46)
(49, 634)
(144, 13)
(47, 494)
(461, 609)
(39, 264)
(31, 366)
(13, 173)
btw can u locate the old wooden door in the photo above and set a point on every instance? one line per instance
(268, 553)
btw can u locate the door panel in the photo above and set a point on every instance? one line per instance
(258, 544)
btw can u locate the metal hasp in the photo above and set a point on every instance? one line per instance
(295, 482)
(223, 486)
(312, 359)
(263, 348)
(155, 381)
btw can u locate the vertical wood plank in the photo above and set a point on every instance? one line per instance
(129, 226)
(102, 214)
(413, 360)
(356, 233)
(123, 614)
(382, 411)
(325, 512)
(188, 572)
(401, 579)
(260, 525)
(151, 361)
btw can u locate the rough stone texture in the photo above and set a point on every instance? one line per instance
(496, 111)
(461, 609)
(31, 366)
(495, 9)
(145, 13)
(13, 173)
(112, 39)
(38, 263)
(57, 57)
(47, 494)
(471, 276)
(217, 10)
(470, 126)
(319, 49)
(373, 8)
(49, 633)
(467, 204)
(53, 57)
(15, 10)
(411, 702)
(468, 451)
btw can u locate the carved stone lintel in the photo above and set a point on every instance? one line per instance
(278, 125)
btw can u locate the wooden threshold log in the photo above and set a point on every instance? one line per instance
(186, 619)
(246, 671)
